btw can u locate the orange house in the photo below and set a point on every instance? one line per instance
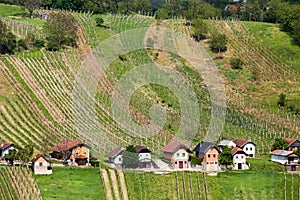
(209, 154)
(75, 151)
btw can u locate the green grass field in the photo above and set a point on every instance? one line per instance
(9, 10)
(71, 183)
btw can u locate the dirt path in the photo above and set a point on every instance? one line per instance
(123, 185)
(114, 183)
(107, 184)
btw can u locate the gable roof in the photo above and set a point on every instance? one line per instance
(290, 140)
(236, 150)
(66, 145)
(115, 152)
(242, 142)
(172, 147)
(142, 149)
(37, 157)
(203, 147)
(5, 145)
(225, 142)
(282, 152)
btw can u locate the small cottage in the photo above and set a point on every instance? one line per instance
(289, 159)
(5, 147)
(75, 151)
(40, 165)
(227, 143)
(293, 145)
(115, 156)
(208, 152)
(247, 145)
(239, 159)
(177, 154)
(144, 156)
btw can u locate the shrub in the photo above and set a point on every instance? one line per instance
(39, 43)
(218, 43)
(195, 161)
(99, 21)
(95, 163)
(236, 63)
(22, 44)
(281, 101)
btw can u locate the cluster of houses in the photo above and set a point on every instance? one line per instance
(178, 155)
(175, 155)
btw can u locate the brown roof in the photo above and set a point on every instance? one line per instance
(142, 149)
(242, 142)
(173, 147)
(236, 150)
(5, 145)
(115, 152)
(66, 145)
(289, 140)
(37, 157)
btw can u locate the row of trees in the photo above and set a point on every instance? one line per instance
(22, 154)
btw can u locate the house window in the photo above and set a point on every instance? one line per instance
(246, 148)
(214, 155)
(120, 159)
(177, 154)
(216, 162)
(208, 155)
(237, 157)
(76, 154)
(207, 163)
(176, 163)
(183, 154)
(184, 162)
(242, 157)
(250, 148)
(84, 153)
(41, 164)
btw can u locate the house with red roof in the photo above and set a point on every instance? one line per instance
(70, 150)
(115, 156)
(247, 145)
(177, 154)
(5, 147)
(289, 159)
(144, 156)
(239, 159)
(40, 165)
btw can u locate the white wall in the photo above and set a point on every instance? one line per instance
(181, 154)
(6, 151)
(118, 160)
(239, 158)
(249, 148)
(144, 157)
(279, 159)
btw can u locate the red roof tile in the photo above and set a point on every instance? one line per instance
(66, 145)
(173, 147)
(5, 145)
(275, 151)
(236, 150)
(289, 140)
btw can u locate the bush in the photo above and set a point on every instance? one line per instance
(22, 45)
(236, 63)
(95, 163)
(218, 43)
(281, 101)
(99, 21)
(39, 43)
(195, 161)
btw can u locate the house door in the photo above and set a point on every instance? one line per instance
(180, 164)
(239, 165)
(293, 167)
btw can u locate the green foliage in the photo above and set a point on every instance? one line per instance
(195, 161)
(200, 28)
(39, 43)
(236, 63)
(22, 45)
(225, 158)
(30, 5)
(279, 144)
(8, 41)
(11, 10)
(282, 100)
(11, 156)
(130, 157)
(99, 21)
(218, 43)
(61, 30)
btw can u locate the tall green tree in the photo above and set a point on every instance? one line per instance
(8, 42)
(62, 30)
(225, 158)
(200, 28)
(130, 157)
(30, 5)
(218, 43)
(279, 144)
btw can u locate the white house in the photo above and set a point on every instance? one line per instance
(144, 156)
(40, 165)
(177, 154)
(239, 159)
(228, 143)
(247, 145)
(284, 157)
(115, 156)
(5, 147)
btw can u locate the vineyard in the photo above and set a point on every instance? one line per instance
(42, 103)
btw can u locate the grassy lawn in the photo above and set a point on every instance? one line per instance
(10, 10)
(277, 40)
(71, 183)
(35, 21)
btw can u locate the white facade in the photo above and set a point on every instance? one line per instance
(279, 158)
(145, 157)
(6, 151)
(181, 154)
(283, 157)
(249, 149)
(228, 143)
(118, 160)
(239, 161)
(40, 167)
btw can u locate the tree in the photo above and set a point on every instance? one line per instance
(25, 154)
(99, 21)
(236, 63)
(279, 144)
(130, 157)
(218, 43)
(8, 42)
(11, 156)
(61, 29)
(281, 100)
(225, 158)
(200, 28)
(30, 5)
(142, 6)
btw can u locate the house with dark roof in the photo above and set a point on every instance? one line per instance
(144, 156)
(76, 152)
(247, 145)
(40, 165)
(5, 147)
(115, 156)
(289, 159)
(239, 159)
(209, 154)
(177, 154)
(293, 145)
